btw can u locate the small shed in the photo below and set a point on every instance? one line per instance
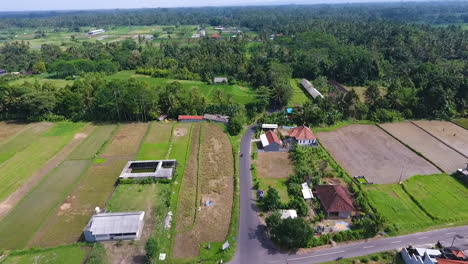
(190, 118)
(270, 141)
(114, 226)
(306, 192)
(288, 214)
(220, 80)
(216, 118)
(310, 89)
(269, 126)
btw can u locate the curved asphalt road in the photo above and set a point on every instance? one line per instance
(253, 247)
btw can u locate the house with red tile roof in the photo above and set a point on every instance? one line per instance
(335, 200)
(190, 118)
(303, 136)
(215, 36)
(270, 141)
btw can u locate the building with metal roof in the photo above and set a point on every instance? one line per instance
(162, 169)
(114, 226)
(222, 80)
(310, 89)
(270, 141)
(269, 126)
(288, 214)
(190, 118)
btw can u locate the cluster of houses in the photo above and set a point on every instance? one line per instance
(441, 255)
(301, 135)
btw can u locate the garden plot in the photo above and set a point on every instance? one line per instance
(366, 150)
(16, 170)
(452, 135)
(22, 139)
(216, 178)
(274, 165)
(66, 223)
(437, 152)
(156, 142)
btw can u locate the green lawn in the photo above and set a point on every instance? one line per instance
(23, 220)
(17, 169)
(394, 204)
(92, 144)
(70, 254)
(156, 143)
(461, 122)
(133, 197)
(441, 195)
(277, 183)
(41, 79)
(299, 97)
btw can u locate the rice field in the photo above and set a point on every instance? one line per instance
(70, 254)
(156, 142)
(17, 169)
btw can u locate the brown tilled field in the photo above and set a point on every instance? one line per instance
(8, 129)
(216, 181)
(440, 154)
(126, 141)
(274, 165)
(453, 135)
(366, 150)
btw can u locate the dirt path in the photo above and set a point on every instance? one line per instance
(7, 204)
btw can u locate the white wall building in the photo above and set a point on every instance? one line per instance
(420, 255)
(114, 226)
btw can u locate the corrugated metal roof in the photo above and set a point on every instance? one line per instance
(310, 88)
(270, 126)
(116, 223)
(264, 140)
(288, 214)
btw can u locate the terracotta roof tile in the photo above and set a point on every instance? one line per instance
(334, 198)
(190, 117)
(302, 133)
(272, 137)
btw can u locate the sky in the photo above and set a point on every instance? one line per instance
(29, 5)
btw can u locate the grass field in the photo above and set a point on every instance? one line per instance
(17, 169)
(463, 122)
(21, 140)
(299, 97)
(240, 94)
(441, 195)
(278, 183)
(41, 79)
(395, 205)
(23, 220)
(156, 142)
(70, 254)
(91, 145)
(360, 91)
(9, 129)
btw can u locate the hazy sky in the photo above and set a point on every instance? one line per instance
(26, 5)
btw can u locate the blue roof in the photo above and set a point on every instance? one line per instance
(289, 110)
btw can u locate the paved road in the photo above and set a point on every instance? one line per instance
(253, 247)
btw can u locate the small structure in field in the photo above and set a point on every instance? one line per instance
(195, 35)
(306, 192)
(220, 80)
(219, 28)
(335, 201)
(96, 32)
(3, 72)
(303, 136)
(114, 226)
(270, 141)
(310, 89)
(202, 33)
(158, 169)
(267, 127)
(190, 118)
(215, 36)
(216, 118)
(285, 214)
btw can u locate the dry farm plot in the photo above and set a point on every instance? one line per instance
(274, 165)
(216, 178)
(366, 150)
(454, 136)
(9, 129)
(66, 223)
(437, 152)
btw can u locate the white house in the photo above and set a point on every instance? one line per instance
(222, 80)
(96, 32)
(303, 136)
(310, 89)
(288, 214)
(420, 255)
(114, 226)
